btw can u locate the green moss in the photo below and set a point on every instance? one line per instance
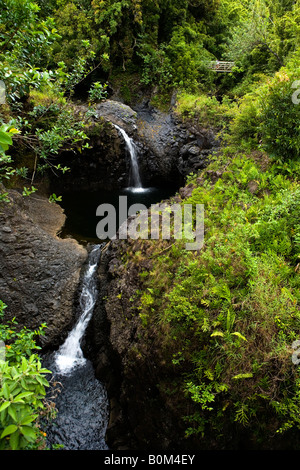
(98, 127)
(46, 97)
(161, 99)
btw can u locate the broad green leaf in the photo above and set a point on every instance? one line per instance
(5, 390)
(12, 413)
(28, 432)
(18, 400)
(14, 372)
(24, 364)
(29, 419)
(45, 371)
(14, 441)
(9, 430)
(17, 390)
(5, 138)
(4, 405)
(22, 395)
(3, 146)
(24, 384)
(42, 380)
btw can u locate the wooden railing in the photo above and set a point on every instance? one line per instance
(221, 66)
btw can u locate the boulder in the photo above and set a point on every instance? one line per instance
(118, 113)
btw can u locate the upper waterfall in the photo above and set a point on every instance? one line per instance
(136, 179)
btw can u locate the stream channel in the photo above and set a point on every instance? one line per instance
(82, 403)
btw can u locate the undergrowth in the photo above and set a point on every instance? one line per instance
(229, 313)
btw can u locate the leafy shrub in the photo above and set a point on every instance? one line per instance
(207, 110)
(244, 128)
(268, 118)
(97, 92)
(280, 116)
(6, 170)
(23, 388)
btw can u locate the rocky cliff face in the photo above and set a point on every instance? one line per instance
(39, 273)
(130, 361)
(132, 358)
(129, 358)
(104, 165)
(172, 148)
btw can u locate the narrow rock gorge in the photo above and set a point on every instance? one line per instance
(43, 288)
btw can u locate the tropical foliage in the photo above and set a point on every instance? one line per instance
(228, 315)
(23, 387)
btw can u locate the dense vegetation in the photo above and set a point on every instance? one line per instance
(228, 314)
(23, 388)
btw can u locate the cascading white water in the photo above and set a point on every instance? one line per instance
(82, 404)
(136, 179)
(70, 353)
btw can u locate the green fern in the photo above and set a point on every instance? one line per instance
(242, 414)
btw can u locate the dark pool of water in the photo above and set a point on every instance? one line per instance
(82, 410)
(81, 206)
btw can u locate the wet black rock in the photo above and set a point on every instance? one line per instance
(171, 148)
(118, 113)
(39, 273)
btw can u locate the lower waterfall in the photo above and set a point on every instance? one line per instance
(70, 354)
(82, 403)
